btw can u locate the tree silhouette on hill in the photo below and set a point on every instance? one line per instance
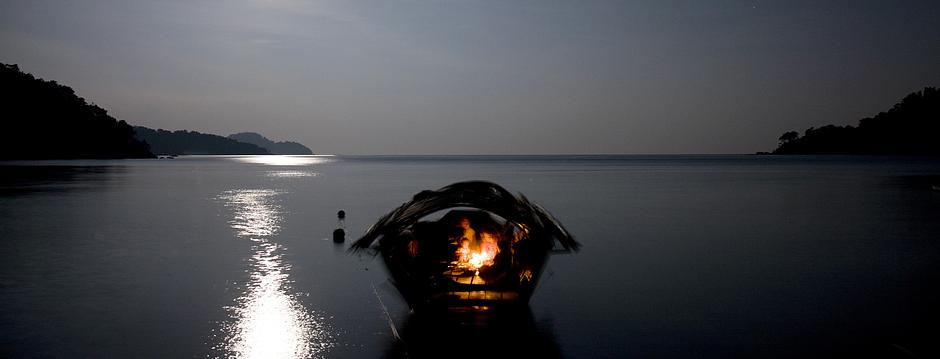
(277, 148)
(911, 127)
(45, 120)
(182, 142)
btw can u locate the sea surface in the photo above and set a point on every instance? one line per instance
(683, 256)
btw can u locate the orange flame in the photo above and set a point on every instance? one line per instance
(483, 257)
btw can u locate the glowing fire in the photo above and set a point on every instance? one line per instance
(477, 260)
(483, 256)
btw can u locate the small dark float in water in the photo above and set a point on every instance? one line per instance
(487, 251)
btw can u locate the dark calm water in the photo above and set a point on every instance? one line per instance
(684, 256)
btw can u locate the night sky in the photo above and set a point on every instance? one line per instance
(484, 77)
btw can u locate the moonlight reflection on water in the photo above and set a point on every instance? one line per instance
(286, 160)
(267, 321)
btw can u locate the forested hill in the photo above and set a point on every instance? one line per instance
(184, 142)
(45, 120)
(911, 127)
(277, 148)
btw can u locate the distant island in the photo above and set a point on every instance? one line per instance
(911, 127)
(183, 142)
(45, 120)
(277, 148)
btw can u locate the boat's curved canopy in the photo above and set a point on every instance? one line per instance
(482, 195)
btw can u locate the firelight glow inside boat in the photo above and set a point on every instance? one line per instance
(487, 250)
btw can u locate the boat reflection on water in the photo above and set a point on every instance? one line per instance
(267, 319)
(474, 334)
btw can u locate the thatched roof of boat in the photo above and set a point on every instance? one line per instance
(482, 195)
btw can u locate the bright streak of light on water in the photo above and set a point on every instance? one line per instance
(283, 160)
(267, 320)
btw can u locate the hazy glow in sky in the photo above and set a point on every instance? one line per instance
(470, 77)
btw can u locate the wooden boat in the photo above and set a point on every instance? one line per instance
(487, 249)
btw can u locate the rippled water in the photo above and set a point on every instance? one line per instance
(684, 256)
(268, 319)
